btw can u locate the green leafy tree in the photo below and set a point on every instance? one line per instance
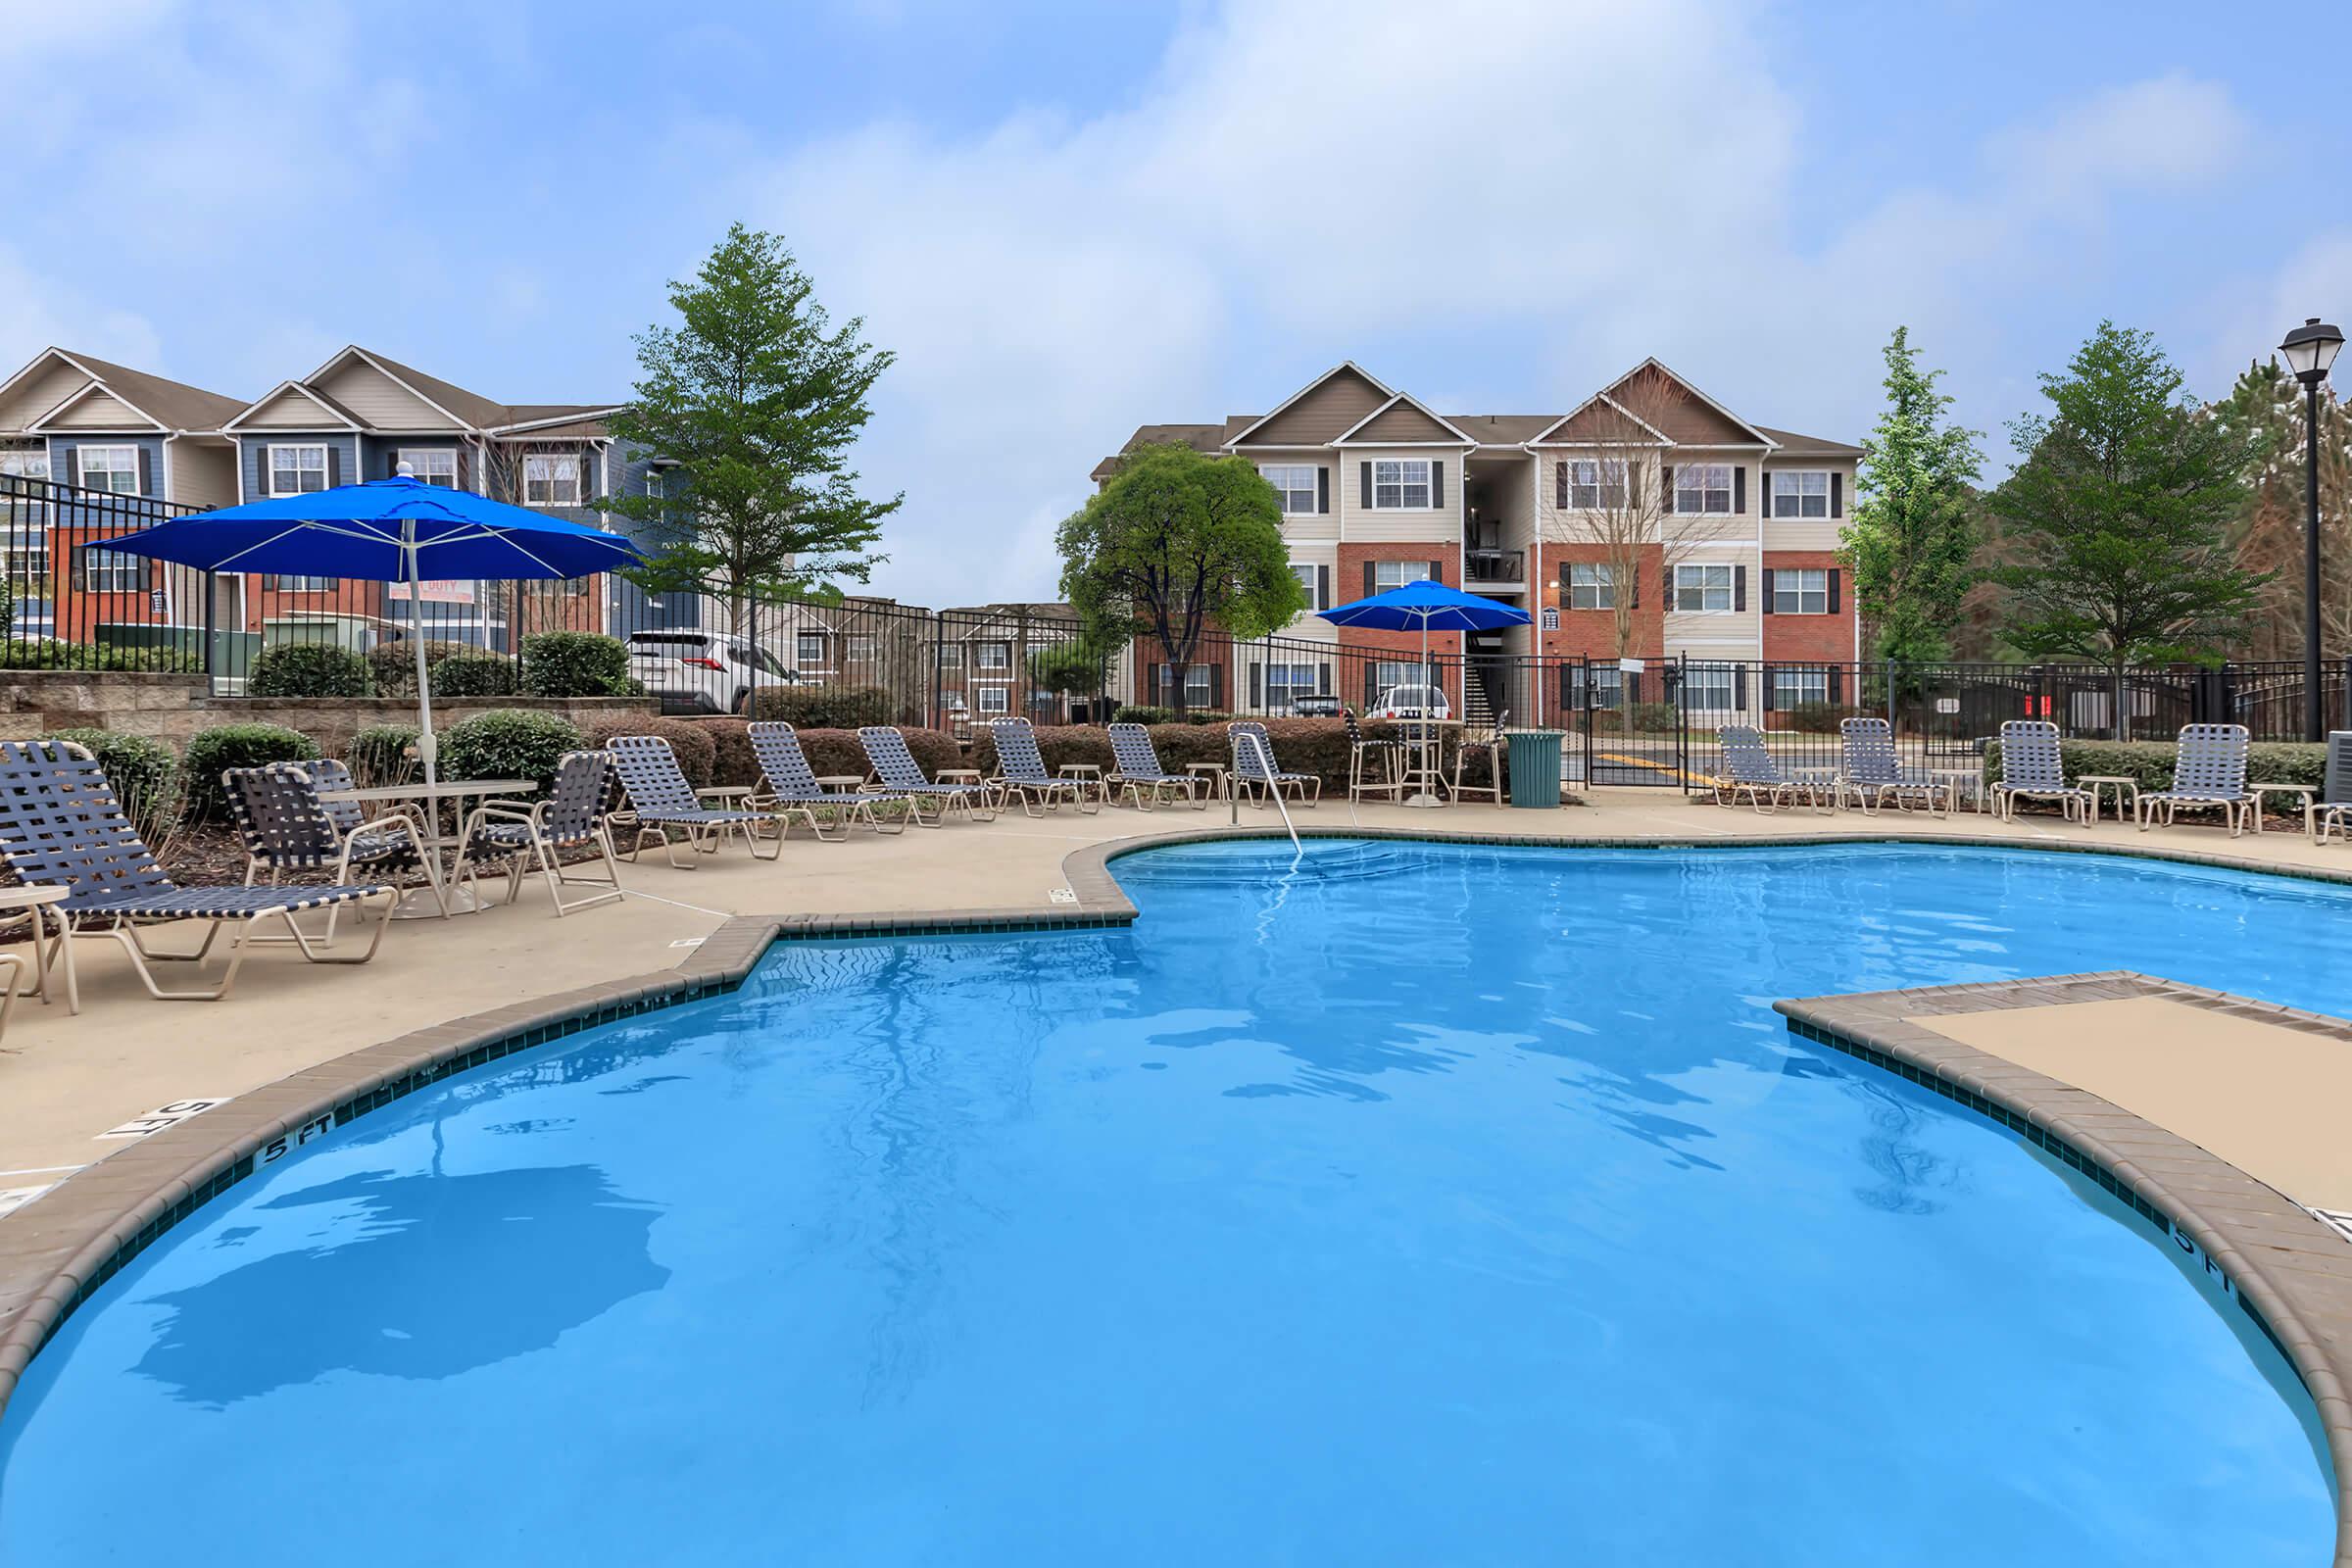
(1911, 540)
(1175, 540)
(2119, 515)
(757, 401)
(1069, 668)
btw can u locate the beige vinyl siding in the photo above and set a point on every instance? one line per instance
(1439, 526)
(1304, 525)
(1561, 525)
(39, 393)
(290, 410)
(1325, 553)
(1810, 533)
(102, 411)
(1340, 402)
(202, 476)
(1403, 423)
(377, 400)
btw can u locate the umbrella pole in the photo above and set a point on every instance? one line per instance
(427, 746)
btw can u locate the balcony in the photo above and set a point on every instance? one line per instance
(1495, 568)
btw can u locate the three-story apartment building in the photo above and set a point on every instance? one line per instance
(1724, 533)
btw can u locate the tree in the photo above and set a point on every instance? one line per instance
(1175, 540)
(2120, 513)
(1619, 501)
(1911, 540)
(757, 401)
(1072, 668)
(2270, 406)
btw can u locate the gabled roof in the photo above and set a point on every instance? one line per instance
(1789, 443)
(1199, 437)
(341, 415)
(87, 391)
(1502, 429)
(1346, 367)
(1694, 432)
(169, 403)
(464, 406)
(1401, 421)
(1601, 417)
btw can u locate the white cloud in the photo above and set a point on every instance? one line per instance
(36, 311)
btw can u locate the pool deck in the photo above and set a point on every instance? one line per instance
(2234, 1095)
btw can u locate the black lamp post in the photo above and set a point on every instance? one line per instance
(2310, 349)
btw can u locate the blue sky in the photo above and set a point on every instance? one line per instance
(1068, 219)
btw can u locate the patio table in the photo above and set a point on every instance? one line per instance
(35, 900)
(415, 903)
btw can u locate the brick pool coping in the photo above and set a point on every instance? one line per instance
(2292, 1273)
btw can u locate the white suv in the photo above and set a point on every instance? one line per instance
(1410, 702)
(701, 671)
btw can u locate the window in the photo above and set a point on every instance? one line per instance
(1709, 688)
(1596, 482)
(429, 465)
(1800, 591)
(31, 465)
(1800, 495)
(1304, 572)
(296, 471)
(996, 699)
(1293, 483)
(110, 571)
(25, 462)
(1791, 687)
(994, 655)
(1590, 586)
(112, 468)
(1702, 588)
(1197, 679)
(1608, 685)
(1388, 574)
(550, 480)
(809, 648)
(1286, 683)
(1388, 674)
(861, 647)
(951, 656)
(1401, 483)
(1703, 487)
(301, 585)
(25, 563)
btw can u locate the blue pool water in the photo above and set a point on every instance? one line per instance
(1423, 1204)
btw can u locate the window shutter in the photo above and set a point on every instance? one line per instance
(335, 465)
(1437, 572)
(1323, 678)
(1364, 477)
(1322, 587)
(1837, 685)
(1563, 585)
(1738, 490)
(74, 465)
(1770, 693)
(1437, 484)
(1559, 484)
(1323, 489)
(1739, 587)
(1256, 676)
(1767, 585)
(1739, 688)
(464, 469)
(1371, 683)
(1216, 685)
(1834, 574)
(1836, 495)
(1666, 478)
(1369, 590)
(1635, 587)
(146, 471)
(1633, 688)
(391, 462)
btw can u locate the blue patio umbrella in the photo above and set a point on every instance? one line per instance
(1429, 606)
(399, 530)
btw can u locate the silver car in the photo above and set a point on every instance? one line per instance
(701, 671)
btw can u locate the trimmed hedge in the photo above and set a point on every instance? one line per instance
(214, 752)
(507, 742)
(1821, 719)
(380, 754)
(310, 670)
(694, 747)
(393, 663)
(1143, 713)
(474, 675)
(823, 706)
(1056, 743)
(47, 652)
(575, 664)
(734, 762)
(2149, 763)
(146, 776)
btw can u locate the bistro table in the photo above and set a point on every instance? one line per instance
(416, 903)
(2118, 782)
(35, 900)
(1215, 775)
(1425, 758)
(1087, 776)
(2261, 791)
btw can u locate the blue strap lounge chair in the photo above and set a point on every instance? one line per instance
(1870, 774)
(660, 800)
(1136, 770)
(1021, 771)
(1255, 766)
(2209, 773)
(286, 826)
(523, 838)
(2324, 817)
(1750, 769)
(788, 786)
(61, 825)
(2034, 769)
(901, 775)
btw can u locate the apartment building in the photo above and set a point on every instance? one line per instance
(1647, 522)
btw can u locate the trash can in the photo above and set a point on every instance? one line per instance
(1535, 768)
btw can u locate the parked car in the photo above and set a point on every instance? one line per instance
(701, 671)
(1314, 707)
(1411, 701)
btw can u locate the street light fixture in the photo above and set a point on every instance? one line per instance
(2310, 349)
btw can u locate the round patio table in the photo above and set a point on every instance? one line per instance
(417, 902)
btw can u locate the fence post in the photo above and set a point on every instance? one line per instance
(1890, 694)
(212, 679)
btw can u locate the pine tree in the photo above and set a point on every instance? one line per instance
(2271, 406)
(1911, 540)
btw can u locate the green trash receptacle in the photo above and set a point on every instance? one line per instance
(1535, 768)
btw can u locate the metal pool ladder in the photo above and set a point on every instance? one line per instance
(1265, 764)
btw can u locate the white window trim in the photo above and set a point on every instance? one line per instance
(1782, 575)
(1403, 484)
(1729, 588)
(1702, 510)
(270, 465)
(579, 478)
(411, 455)
(1379, 587)
(981, 648)
(1600, 485)
(81, 465)
(1603, 585)
(1802, 681)
(1287, 490)
(1712, 680)
(1772, 482)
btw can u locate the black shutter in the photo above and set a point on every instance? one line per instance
(335, 465)
(1323, 489)
(1371, 683)
(1323, 678)
(1666, 495)
(1837, 686)
(1766, 690)
(1322, 587)
(1255, 678)
(1767, 604)
(391, 462)
(1739, 688)
(1834, 574)
(1738, 490)
(1739, 587)
(1437, 572)
(1836, 495)
(146, 472)
(1368, 588)
(1632, 682)
(1437, 484)
(1559, 484)
(1636, 589)
(1364, 477)
(1564, 590)
(74, 465)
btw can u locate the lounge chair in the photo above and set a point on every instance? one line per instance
(901, 775)
(659, 799)
(2032, 770)
(571, 816)
(2209, 773)
(1135, 769)
(1021, 771)
(1750, 769)
(1255, 766)
(2324, 818)
(1870, 773)
(788, 786)
(61, 825)
(276, 810)
(1375, 765)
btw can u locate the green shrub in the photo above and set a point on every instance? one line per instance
(1819, 719)
(474, 675)
(393, 663)
(310, 670)
(507, 742)
(1317, 746)
(837, 752)
(383, 754)
(1653, 718)
(694, 747)
(146, 777)
(823, 706)
(212, 751)
(1143, 713)
(734, 762)
(575, 664)
(2149, 763)
(1055, 743)
(45, 653)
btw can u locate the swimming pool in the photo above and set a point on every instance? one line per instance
(1422, 1203)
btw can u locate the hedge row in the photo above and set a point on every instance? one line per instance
(1317, 746)
(2149, 763)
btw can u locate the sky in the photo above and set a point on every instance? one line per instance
(1070, 220)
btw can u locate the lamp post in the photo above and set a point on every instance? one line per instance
(2310, 349)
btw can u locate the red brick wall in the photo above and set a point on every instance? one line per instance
(1827, 638)
(1592, 633)
(1360, 646)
